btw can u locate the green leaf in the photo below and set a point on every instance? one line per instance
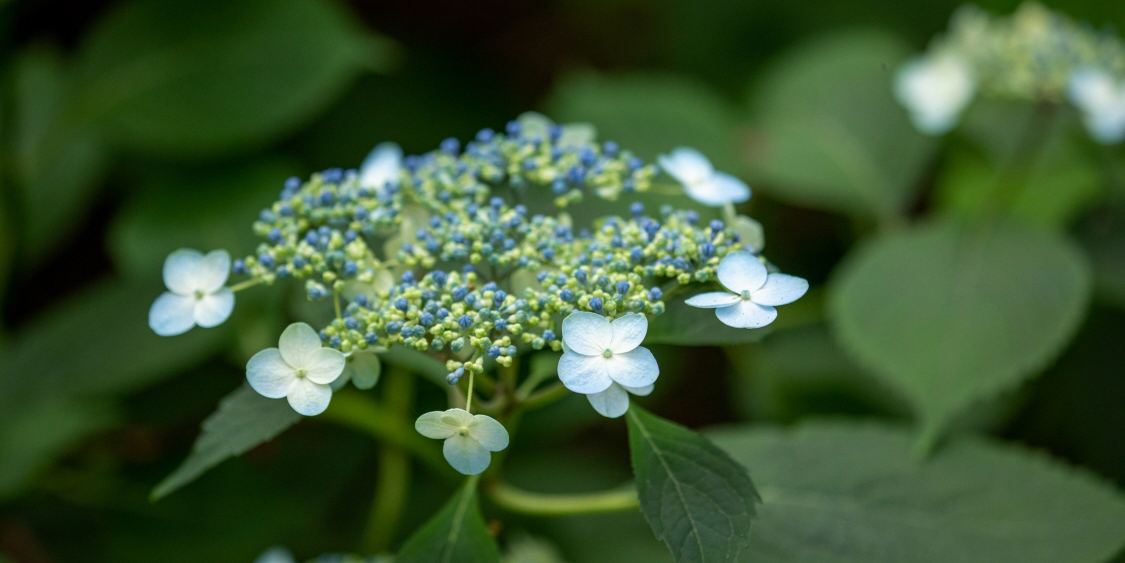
(42, 431)
(1103, 238)
(457, 534)
(416, 362)
(683, 325)
(169, 77)
(649, 114)
(950, 314)
(832, 135)
(696, 498)
(244, 420)
(1046, 179)
(856, 493)
(59, 157)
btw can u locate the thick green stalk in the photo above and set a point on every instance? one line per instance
(542, 504)
(393, 485)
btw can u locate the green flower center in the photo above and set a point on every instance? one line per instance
(607, 353)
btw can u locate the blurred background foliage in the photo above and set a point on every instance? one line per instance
(132, 128)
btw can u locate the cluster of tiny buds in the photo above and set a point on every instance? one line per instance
(438, 258)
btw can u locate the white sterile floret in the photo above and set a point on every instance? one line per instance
(935, 89)
(701, 181)
(753, 292)
(605, 361)
(299, 369)
(382, 166)
(469, 439)
(196, 294)
(1102, 102)
(276, 555)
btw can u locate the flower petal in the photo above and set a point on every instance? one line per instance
(276, 555)
(364, 368)
(181, 269)
(687, 165)
(215, 308)
(780, 289)
(935, 89)
(587, 333)
(171, 314)
(308, 398)
(213, 271)
(719, 189)
(298, 342)
(611, 403)
(269, 375)
(640, 391)
(583, 374)
(431, 425)
(490, 433)
(746, 314)
(466, 455)
(381, 167)
(713, 299)
(325, 365)
(458, 418)
(628, 332)
(741, 271)
(635, 368)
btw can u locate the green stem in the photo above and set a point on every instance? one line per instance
(393, 485)
(518, 500)
(356, 411)
(469, 394)
(1014, 177)
(336, 303)
(545, 397)
(245, 285)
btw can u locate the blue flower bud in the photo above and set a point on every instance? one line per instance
(692, 217)
(266, 260)
(452, 379)
(555, 132)
(427, 319)
(500, 324)
(548, 254)
(549, 335)
(332, 175)
(512, 350)
(350, 235)
(292, 183)
(558, 186)
(393, 327)
(282, 272)
(351, 323)
(490, 286)
(587, 156)
(285, 210)
(580, 275)
(635, 164)
(350, 269)
(485, 135)
(498, 296)
(707, 250)
(326, 198)
(680, 264)
(513, 128)
(623, 287)
(239, 267)
(408, 277)
(361, 300)
(459, 293)
(567, 295)
(716, 225)
(596, 304)
(402, 304)
(494, 352)
(371, 338)
(451, 146)
(334, 342)
(636, 208)
(465, 321)
(609, 148)
(299, 262)
(470, 299)
(637, 254)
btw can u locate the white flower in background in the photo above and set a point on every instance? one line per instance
(753, 293)
(299, 369)
(701, 181)
(362, 368)
(1102, 101)
(276, 555)
(604, 360)
(382, 166)
(195, 295)
(935, 89)
(469, 439)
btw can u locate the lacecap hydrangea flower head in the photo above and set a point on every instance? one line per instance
(467, 253)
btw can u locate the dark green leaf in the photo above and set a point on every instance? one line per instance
(832, 135)
(456, 534)
(856, 493)
(683, 325)
(1103, 237)
(244, 420)
(208, 77)
(950, 314)
(696, 498)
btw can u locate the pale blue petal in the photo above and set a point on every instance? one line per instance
(640, 391)
(490, 433)
(713, 299)
(746, 314)
(635, 368)
(741, 271)
(611, 403)
(382, 166)
(365, 369)
(628, 332)
(780, 289)
(298, 343)
(431, 425)
(308, 398)
(935, 90)
(587, 333)
(215, 308)
(458, 418)
(325, 365)
(171, 314)
(466, 455)
(181, 270)
(269, 375)
(276, 555)
(214, 269)
(687, 165)
(718, 190)
(583, 374)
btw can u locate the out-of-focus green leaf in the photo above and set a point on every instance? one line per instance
(202, 209)
(530, 549)
(683, 325)
(649, 114)
(1103, 237)
(950, 313)
(832, 135)
(206, 77)
(416, 362)
(696, 498)
(457, 534)
(1024, 163)
(58, 156)
(244, 420)
(856, 493)
(88, 349)
(41, 432)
